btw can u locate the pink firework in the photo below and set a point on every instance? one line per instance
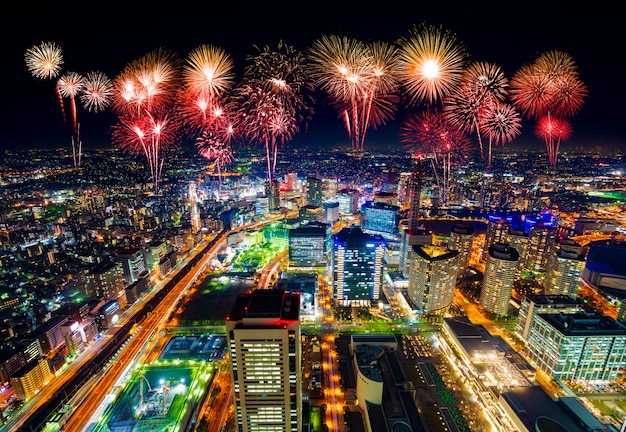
(501, 123)
(208, 77)
(145, 95)
(430, 133)
(553, 131)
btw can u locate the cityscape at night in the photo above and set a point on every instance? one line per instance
(361, 220)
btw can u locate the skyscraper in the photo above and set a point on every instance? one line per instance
(193, 206)
(357, 267)
(461, 240)
(497, 285)
(315, 191)
(563, 273)
(263, 332)
(432, 277)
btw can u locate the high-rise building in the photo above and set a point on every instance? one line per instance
(605, 268)
(380, 218)
(541, 244)
(310, 246)
(348, 201)
(263, 332)
(497, 232)
(331, 211)
(579, 346)
(390, 181)
(432, 278)
(518, 240)
(315, 191)
(357, 267)
(461, 240)
(497, 285)
(193, 207)
(563, 272)
(272, 192)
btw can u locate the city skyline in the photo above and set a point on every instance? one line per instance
(508, 41)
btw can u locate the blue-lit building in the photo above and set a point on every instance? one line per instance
(348, 201)
(357, 267)
(380, 218)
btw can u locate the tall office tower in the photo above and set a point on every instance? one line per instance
(357, 267)
(315, 191)
(390, 181)
(263, 332)
(563, 272)
(497, 231)
(413, 235)
(310, 246)
(404, 186)
(348, 201)
(541, 243)
(380, 218)
(329, 189)
(497, 285)
(292, 181)
(331, 211)
(461, 239)
(272, 192)
(193, 207)
(534, 304)
(432, 277)
(518, 240)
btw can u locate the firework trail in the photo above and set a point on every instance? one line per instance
(549, 88)
(274, 98)
(70, 85)
(430, 133)
(145, 94)
(361, 81)
(214, 142)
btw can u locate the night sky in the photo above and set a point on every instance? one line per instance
(106, 36)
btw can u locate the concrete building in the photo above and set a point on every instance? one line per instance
(432, 278)
(497, 284)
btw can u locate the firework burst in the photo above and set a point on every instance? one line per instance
(553, 131)
(431, 62)
(549, 87)
(144, 97)
(44, 61)
(429, 133)
(361, 81)
(501, 123)
(274, 99)
(481, 86)
(208, 77)
(97, 92)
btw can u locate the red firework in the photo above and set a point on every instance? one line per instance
(553, 131)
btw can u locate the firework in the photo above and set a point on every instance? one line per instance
(431, 63)
(44, 60)
(430, 133)
(481, 86)
(97, 92)
(549, 87)
(144, 95)
(501, 123)
(68, 86)
(208, 76)
(553, 130)
(361, 81)
(274, 98)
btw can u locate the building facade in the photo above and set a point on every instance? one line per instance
(263, 332)
(497, 285)
(432, 278)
